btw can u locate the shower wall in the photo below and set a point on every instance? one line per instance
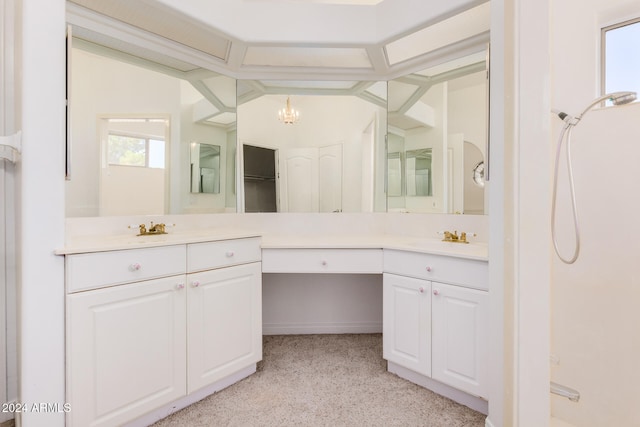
(594, 335)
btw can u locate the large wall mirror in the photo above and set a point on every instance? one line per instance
(438, 138)
(152, 134)
(149, 135)
(329, 157)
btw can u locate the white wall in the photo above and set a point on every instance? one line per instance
(594, 301)
(102, 86)
(40, 221)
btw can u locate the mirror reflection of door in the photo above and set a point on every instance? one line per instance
(134, 158)
(299, 180)
(330, 178)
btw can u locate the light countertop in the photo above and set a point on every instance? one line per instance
(478, 251)
(131, 241)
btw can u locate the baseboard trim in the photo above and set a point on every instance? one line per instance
(175, 406)
(321, 328)
(473, 402)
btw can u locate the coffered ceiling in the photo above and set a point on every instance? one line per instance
(339, 47)
(315, 39)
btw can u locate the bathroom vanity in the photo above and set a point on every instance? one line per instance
(163, 325)
(435, 302)
(182, 314)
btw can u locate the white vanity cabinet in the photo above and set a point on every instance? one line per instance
(224, 322)
(126, 349)
(435, 318)
(459, 337)
(406, 328)
(156, 342)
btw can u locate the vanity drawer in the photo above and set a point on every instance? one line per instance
(222, 253)
(458, 271)
(101, 269)
(358, 261)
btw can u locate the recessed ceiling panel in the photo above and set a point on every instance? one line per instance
(223, 119)
(457, 28)
(321, 57)
(224, 87)
(309, 84)
(346, 2)
(163, 22)
(378, 89)
(110, 46)
(455, 64)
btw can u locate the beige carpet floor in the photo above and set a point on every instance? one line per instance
(324, 380)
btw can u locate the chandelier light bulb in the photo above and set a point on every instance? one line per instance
(288, 115)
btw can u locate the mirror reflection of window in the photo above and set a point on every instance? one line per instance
(127, 150)
(113, 156)
(133, 173)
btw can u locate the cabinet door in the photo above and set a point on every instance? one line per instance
(125, 350)
(407, 322)
(224, 323)
(460, 333)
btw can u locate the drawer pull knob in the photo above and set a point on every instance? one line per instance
(421, 290)
(324, 263)
(229, 254)
(429, 269)
(135, 266)
(180, 286)
(436, 292)
(195, 283)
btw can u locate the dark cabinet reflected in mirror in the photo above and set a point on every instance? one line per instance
(259, 179)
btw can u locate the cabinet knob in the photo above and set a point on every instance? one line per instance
(421, 290)
(229, 254)
(135, 266)
(429, 268)
(436, 292)
(324, 263)
(195, 283)
(180, 286)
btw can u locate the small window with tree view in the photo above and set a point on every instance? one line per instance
(127, 150)
(621, 57)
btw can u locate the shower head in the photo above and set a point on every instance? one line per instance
(617, 98)
(621, 98)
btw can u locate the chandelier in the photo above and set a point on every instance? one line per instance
(288, 115)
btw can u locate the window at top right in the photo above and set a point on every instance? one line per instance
(621, 57)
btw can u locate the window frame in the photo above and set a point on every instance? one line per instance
(603, 49)
(146, 139)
